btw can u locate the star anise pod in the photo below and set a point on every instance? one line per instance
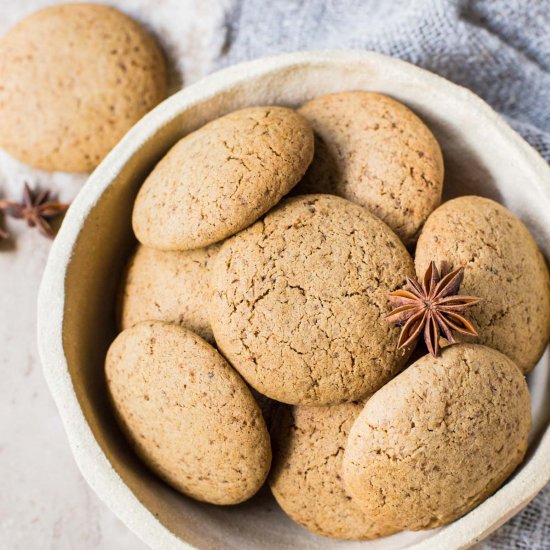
(36, 210)
(433, 306)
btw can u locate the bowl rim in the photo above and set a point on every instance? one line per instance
(91, 460)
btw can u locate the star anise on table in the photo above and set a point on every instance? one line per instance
(433, 307)
(36, 210)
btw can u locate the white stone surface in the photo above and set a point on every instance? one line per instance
(44, 501)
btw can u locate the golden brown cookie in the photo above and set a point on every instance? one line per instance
(168, 286)
(187, 413)
(308, 448)
(75, 78)
(372, 150)
(439, 438)
(502, 265)
(222, 177)
(299, 301)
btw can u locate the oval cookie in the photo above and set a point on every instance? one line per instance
(75, 78)
(306, 478)
(170, 286)
(502, 265)
(187, 413)
(439, 438)
(299, 301)
(222, 177)
(372, 150)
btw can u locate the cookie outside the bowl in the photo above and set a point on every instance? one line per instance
(172, 286)
(187, 413)
(373, 150)
(438, 439)
(306, 478)
(299, 299)
(222, 177)
(75, 78)
(502, 265)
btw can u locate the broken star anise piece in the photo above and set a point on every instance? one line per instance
(36, 210)
(433, 306)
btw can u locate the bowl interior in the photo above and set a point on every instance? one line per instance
(478, 160)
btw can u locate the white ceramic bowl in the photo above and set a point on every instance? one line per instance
(76, 322)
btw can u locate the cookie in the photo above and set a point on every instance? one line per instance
(308, 448)
(299, 299)
(75, 78)
(168, 286)
(439, 438)
(372, 150)
(187, 413)
(502, 265)
(222, 177)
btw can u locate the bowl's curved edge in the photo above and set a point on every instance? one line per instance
(91, 460)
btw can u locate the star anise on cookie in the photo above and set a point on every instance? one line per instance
(433, 307)
(36, 210)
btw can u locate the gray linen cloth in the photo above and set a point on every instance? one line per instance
(500, 49)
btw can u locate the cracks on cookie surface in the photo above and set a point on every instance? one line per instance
(302, 296)
(225, 175)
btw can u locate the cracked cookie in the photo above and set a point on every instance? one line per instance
(502, 265)
(170, 286)
(308, 447)
(439, 438)
(299, 300)
(187, 413)
(372, 150)
(222, 177)
(75, 78)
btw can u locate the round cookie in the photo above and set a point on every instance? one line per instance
(75, 78)
(439, 438)
(308, 448)
(372, 150)
(187, 413)
(170, 286)
(299, 300)
(502, 265)
(222, 177)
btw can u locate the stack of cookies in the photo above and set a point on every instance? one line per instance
(254, 342)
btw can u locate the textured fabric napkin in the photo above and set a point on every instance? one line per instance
(500, 49)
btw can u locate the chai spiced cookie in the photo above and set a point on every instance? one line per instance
(502, 265)
(306, 478)
(222, 177)
(187, 413)
(170, 286)
(299, 299)
(439, 438)
(75, 78)
(372, 150)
